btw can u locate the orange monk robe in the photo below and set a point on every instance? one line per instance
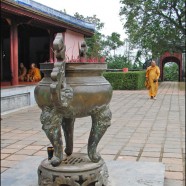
(35, 74)
(153, 73)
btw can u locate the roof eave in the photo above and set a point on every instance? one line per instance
(12, 7)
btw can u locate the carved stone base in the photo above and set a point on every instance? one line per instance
(75, 170)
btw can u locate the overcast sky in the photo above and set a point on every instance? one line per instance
(106, 10)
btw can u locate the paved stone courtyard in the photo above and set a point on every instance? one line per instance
(141, 130)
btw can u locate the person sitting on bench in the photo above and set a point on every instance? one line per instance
(34, 74)
(22, 72)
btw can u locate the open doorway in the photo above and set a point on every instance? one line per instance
(5, 51)
(171, 65)
(171, 71)
(33, 45)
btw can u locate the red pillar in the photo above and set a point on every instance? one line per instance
(51, 47)
(54, 35)
(14, 53)
(161, 68)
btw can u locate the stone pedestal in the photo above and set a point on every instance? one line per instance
(121, 173)
(75, 170)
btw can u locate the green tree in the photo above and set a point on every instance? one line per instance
(91, 19)
(171, 72)
(113, 42)
(100, 44)
(137, 62)
(155, 26)
(118, 62)
(94, 43)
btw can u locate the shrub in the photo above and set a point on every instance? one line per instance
(126, 81)
(118, 62)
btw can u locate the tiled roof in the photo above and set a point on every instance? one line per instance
(55, 13)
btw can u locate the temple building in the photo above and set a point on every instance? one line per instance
(28, 29)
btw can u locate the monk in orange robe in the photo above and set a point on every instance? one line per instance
(22, 72)
(152, 76)
(34, 74)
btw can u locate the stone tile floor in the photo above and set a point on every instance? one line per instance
(141, 130)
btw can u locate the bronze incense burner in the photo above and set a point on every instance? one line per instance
(69, 91)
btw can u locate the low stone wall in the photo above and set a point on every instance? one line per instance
(14, 98)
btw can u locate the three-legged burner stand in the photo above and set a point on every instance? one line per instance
(75, 170)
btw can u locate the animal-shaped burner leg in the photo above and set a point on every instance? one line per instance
(51, 121)
(68, 129)
(101, 120)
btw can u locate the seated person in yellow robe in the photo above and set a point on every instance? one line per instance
(22, 72)
(34, 74)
